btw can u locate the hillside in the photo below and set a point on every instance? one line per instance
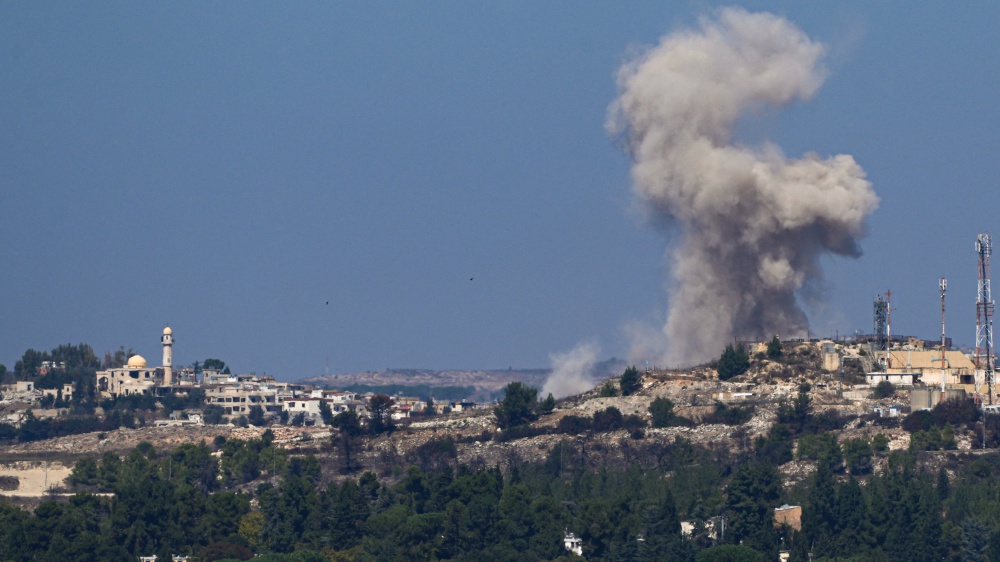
(474, 439)
(619, 474)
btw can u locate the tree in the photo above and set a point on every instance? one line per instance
(631, 381)
(822, 447)
(84, 472)
(884, 389)
(662, 410)
(776, 446)
(251, 529)
(117, 360)
(975, 539)
(30, 362)
(346, 439)
(774, 348)
(751, 495)
(214, 364)
(608, 390)
(225, 551)
(858, 454)
(380, 413)
(734, 362)
(819, 524)
(213, 414)
(256, 415)
(797, 415)
(547, 405)
(730, 553)
(325, 412)
(608, 419)
(518, 405)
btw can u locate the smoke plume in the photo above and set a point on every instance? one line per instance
(572, 372)
(752, 224)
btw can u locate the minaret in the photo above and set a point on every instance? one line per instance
(168, 356)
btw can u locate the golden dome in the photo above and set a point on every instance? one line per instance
(167, 331)
(137, 362)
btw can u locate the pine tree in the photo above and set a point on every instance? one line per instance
(975, 539)
(547, 405)
(734, 362)
(518, 405)
(750, 498)
(631, 381)
(774, 348)
(819, 517)
(851, 518)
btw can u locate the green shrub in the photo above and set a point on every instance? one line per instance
(662, 410)
(608, 390)
(884, 389)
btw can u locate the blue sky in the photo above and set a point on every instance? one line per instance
(229, 169)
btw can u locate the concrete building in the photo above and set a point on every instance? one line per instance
(48, 366)
(573, 544)
(790, 515)
(831, 357)
(134, 378)
(237, 394)
(910, 365)
(66, 392)
(307, 406)
(925, 398)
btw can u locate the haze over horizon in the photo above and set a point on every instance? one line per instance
(362, 186)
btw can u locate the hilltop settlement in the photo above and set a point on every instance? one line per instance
(828, 449)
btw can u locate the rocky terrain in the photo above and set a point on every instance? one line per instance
(476, 440)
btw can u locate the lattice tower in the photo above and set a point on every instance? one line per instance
(881, 350)
(984, 315)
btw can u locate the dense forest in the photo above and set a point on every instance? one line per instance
(251, 497)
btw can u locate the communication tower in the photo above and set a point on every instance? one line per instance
(881, 351)
(943, 286)
(984, 315)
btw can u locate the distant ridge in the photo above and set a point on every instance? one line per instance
(487, 382)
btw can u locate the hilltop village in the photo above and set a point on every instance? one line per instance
(925, 370)
(793, 414)
(223, 396)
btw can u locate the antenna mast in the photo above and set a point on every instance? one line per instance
(984, 315)
(943, 286)
(881, 351)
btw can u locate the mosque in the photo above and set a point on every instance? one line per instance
(135, 377)
(236, 395)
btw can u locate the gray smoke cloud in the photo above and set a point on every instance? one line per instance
(572, 372)
(752, 224)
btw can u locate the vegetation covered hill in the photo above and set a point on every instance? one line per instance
(620, 466)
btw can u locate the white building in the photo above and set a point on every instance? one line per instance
(573, 543)
(134, 378)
